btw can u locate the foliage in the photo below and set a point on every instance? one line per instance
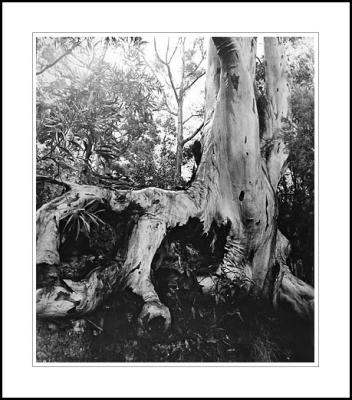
(202, 331)
(94, 117)
(100, 110)
(79, 220)
(296, 189)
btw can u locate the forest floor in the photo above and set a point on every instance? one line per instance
(199, 334)
(223, 328)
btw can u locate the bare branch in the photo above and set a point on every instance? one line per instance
(190, 117)
(176, 47)
(161, 85)
(157, 54)
(192, 83)
(167, 49)
(168, 71)
(197, 66)
(172, 82)
(184, 141)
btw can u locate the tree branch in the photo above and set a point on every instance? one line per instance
(260, 62)
(192, 83)
(190, 117)
(184, 141)
(168, 71)
(196, 68)
(58, 59)
(172, 82)
(173, 53)
(167, 48)
(161, 85)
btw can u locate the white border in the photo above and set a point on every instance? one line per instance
(331, 378)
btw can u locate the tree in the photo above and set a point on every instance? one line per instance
(232, 201)
(175, 85)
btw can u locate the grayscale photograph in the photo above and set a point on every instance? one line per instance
(174, 198)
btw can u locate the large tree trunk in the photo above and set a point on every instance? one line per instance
(235, 187)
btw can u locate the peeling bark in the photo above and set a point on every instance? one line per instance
(234, 187)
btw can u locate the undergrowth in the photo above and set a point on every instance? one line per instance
(228, 327)
(203, 330)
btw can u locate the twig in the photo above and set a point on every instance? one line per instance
(95, 325)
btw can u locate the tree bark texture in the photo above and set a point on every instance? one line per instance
(235, 187)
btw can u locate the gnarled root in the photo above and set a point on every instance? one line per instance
(155, 317)
(157, 210)
(69, 298)
(289, 291)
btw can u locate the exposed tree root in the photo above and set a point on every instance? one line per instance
(71, 298)
(289, 291)
(157, 211)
